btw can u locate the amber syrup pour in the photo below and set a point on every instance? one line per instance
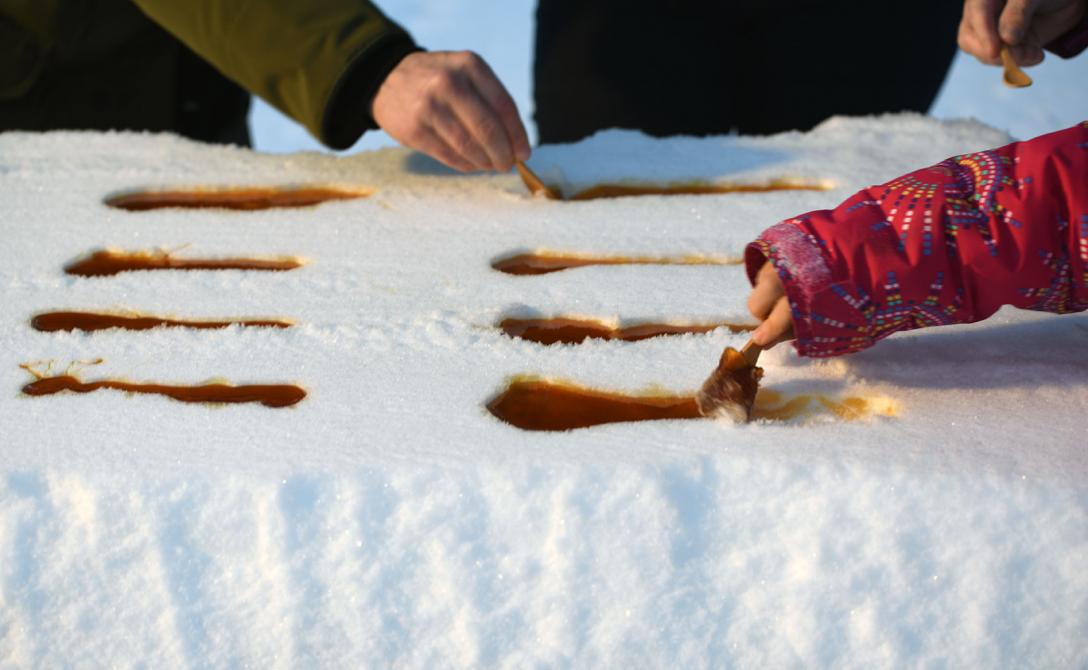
(541, 263)
(108, 262)
(51, 322)
(541, 405)
(269, 395)
(238, 198)
(575, 331)
(604, 191)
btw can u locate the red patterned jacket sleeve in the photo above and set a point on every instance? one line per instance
(948, 244)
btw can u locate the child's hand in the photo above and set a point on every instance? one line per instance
(768, 303)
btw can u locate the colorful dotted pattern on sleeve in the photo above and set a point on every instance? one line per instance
(947, 244)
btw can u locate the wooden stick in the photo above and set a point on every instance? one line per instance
(534, 183)
(751, 352)
(1014, 77)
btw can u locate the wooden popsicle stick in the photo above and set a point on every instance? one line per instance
(751, 352)
(534, 183)
(1014, 77)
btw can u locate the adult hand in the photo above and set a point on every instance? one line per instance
(450, 105)
(769, 304)
(1026, 26)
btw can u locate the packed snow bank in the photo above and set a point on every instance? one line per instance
(389, 520)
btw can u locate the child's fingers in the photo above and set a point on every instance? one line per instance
(767, 291)
(778, 327)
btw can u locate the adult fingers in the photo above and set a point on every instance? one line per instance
(778, 327)
(1015, 20)
(428, 141)
(978, 34)
(433, 96)
(766, 292)
(498, 99)
(1027, 55)
(482, 123)
(456, 127)
(970, 43)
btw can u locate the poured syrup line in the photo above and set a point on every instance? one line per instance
(109, 262)
(269, 395)
(51, 322)
(575, 331)
(235, 198)
(541, 405)
(602, 191)
(545, 262)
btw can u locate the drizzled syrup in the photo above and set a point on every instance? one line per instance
(547, 262)
(50, 322)
(269, 395)
(107, 262)
(235, 198)
(541, 405)
(575, 331)
(603, 191)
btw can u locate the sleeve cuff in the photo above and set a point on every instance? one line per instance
(830, 317)
(347, 114)
(1073, 42)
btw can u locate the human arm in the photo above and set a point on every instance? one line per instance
(341, 67)
(947, 244)
(1026, 26)
(451, 106)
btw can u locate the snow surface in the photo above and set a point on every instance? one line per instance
(389, 521)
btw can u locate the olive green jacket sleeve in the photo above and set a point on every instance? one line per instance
(318, 61)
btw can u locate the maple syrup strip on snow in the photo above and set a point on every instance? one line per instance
(51, 322)
(269, 395)
(106, 263)
(539, 405)
(576, 331)
(547, 406)
(248, 199)
(545, 263)
(603, 191)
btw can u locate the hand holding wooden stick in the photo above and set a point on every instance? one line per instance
(1014, 77)
(534, 183)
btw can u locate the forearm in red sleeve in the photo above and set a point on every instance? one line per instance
(947, 244)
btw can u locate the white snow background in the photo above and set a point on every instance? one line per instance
(389, 521)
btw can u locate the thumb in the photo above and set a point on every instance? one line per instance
(1016, 20)
(778, 327)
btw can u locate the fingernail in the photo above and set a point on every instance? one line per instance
(757, 336)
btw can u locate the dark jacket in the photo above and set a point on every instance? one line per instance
(188, 66)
